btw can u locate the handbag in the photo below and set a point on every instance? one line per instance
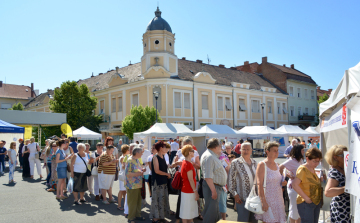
(37, 156)
(116, 174)
(94, 171)
(171, 190)
(88, 172)
(177, 181)
(253, 202)
(200, 189)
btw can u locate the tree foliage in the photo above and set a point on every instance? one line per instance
(78, 104)
(322, 99)
(139, 120)
(17, 106)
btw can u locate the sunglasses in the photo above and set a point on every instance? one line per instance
(54, 146)
(340, 155)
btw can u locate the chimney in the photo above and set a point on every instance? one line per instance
(330, 90)
(318, 87)
(264, 59)
(221, 65)
(284, 65)
(100, 73)
(246, 63)
(184, 58)
(117, 70)
(0, 83)
(198, 61)
(32, 91)
(92, 75)
(292, 66)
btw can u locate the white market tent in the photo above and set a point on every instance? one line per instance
(220, 132)
(84, 133)
(265, 132)
(337, 115)
(312, 130)
(293, 130)
(164, 131)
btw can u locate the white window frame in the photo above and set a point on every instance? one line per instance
(204, 123)
(207, 101)
(242, 108)
(189, 100)
(284, 109)
(291, 94)
(312, 94)
(228, 106)
(120, 108)
(222, 107)
(182, 101)
(278, 107)
(313, 111)
(100, 106)
(306, 93)
(270, 108)
(112, 104)
(188, 124)
(292, 111)
(299, 113)
(306, 112)
(259, 105)
(298, 92)
(131, 97)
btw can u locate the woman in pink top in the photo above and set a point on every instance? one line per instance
(290, 166)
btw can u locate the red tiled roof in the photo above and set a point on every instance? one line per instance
(15, 91)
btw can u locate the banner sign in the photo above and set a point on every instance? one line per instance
(27, 132)
(353, 158)
(336, 120)
(346, 161)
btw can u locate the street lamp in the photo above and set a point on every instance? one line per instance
(263, 106)
(156, 95)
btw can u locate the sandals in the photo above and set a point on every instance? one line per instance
(63, 197)
(120, 208)
(106, 202)
(58, 198)
(83, 201)
(200, 217)
(77, 203)
(112, 201)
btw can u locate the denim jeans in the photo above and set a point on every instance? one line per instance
(2, 167)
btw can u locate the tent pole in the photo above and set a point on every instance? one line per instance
(352, 197)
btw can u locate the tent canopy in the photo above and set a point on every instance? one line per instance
(167, 130)
(349, 85)
(6, 127)
(312, 130)
(84, 133)
(293, 130)
(219, 131)
(260, 131)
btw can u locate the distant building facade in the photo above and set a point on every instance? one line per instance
(11, 94)
(321, 92)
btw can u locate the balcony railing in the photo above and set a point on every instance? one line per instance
(306, 117)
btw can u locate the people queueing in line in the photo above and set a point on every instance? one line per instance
(218, 170)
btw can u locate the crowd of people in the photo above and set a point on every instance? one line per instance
(206, 182)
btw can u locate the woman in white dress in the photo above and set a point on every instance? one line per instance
(125, 150)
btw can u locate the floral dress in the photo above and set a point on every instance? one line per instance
(340, 205)
(274, 198)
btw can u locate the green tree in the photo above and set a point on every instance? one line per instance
(17, 106)
(78, 104)
(139, 120)
(322, 99)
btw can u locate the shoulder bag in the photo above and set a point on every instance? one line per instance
(88, 172)
(37, 154)
(253, 202)
(94, 170)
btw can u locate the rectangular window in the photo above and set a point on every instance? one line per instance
(269, 107)
(220, 104)
(299, 111)
(299, 93)
(291, 91)
(102, 106)
(284, 108)
(305, 93)
(5, 106)
(228, 104)
(135, 99)
(313, 111)
(187, 100)
(120, 104)
(242, 106)
(204, 102)
(292, 112)
(113, 104)
(278, 108)
(177, 96)
(255, 106)
(306, 111)
(312, 94)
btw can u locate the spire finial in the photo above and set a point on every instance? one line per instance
(158, 12)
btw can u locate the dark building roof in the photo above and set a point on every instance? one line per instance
(14, 91)
(158, 23)
(40, 98)
(294, 74)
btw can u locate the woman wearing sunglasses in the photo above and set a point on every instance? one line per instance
(335, 187)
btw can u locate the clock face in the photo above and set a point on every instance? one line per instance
(157, 42)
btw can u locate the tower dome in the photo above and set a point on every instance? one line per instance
(158, 23)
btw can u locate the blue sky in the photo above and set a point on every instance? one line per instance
(48, 42)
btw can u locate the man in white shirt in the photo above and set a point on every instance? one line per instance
(174, 148)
